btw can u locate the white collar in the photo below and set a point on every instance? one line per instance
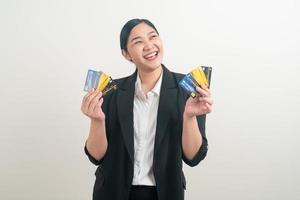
(155, 89)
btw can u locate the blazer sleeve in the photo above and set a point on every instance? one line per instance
(105, 108)
(91, 158)
(201, 154)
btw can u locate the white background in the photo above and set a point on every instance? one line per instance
(46, 47)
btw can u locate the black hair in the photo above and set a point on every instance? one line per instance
(125, 32)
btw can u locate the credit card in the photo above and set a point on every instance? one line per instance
(207, 71)
(92, 79)
(198, 76)
(103, 81)
(100, 81)
(189, 85)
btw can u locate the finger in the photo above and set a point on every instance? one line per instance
(206, 100)
(202, 92)
(91, 97)
(98, 105)
(89, 94)
(205, 88)
(86, 101)
(84, 104)
(208, 108)
(94, 102)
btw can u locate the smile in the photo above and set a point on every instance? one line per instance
(151, 56)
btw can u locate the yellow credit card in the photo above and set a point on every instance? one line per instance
(103, 81)
(199, 76)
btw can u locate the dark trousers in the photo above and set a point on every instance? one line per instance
(141, 192)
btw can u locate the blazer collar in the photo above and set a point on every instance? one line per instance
(168, 80)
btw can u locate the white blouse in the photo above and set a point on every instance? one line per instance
(145, 120)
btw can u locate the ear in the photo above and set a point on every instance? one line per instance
(126, 55)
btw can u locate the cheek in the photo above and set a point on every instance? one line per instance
(137, 51)
(161, 48)
(159, 44)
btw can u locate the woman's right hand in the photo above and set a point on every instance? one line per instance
(91, 105)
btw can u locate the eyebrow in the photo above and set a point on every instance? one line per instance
(152, 32)
(139, 37)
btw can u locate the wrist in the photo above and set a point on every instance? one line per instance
(187, 116)
(97, 121)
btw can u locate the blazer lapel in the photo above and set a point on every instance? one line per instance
(168, 93)
(125, 100)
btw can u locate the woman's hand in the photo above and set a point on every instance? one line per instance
(91, 105)
(199, 105)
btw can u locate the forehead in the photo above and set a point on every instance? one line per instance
(141, 30)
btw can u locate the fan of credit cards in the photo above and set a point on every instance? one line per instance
(100, 81)
(199, 76)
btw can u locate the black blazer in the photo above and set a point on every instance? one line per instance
(115, 171)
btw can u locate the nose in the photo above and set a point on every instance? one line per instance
(148, 45)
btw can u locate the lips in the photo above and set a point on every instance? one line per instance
(151, 56)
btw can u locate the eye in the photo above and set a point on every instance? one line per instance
(153, 36)
(138, 42)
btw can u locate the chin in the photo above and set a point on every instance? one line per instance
(153, 66)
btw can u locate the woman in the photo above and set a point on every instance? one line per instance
(140, 133)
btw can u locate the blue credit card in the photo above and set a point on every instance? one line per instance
(189, 84)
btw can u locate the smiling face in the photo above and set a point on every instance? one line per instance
(144, 48)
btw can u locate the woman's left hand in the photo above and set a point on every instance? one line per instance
(199, 105)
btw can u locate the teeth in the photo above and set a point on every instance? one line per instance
(150, 55)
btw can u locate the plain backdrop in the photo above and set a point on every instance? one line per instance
(46, 47)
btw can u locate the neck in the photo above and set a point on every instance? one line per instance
(149, 78)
